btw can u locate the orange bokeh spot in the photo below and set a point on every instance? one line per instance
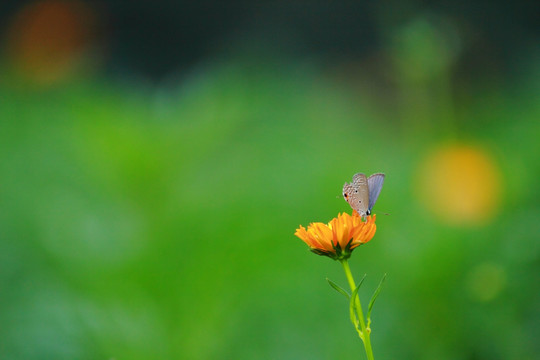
(46, 39)
(461, 184)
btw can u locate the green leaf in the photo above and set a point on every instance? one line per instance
(352, 299)
(374, 297)
(338, 288)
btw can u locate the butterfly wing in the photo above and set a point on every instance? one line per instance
(375, 183)
(357, 194)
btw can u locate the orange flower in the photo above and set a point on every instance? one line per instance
(338, 239)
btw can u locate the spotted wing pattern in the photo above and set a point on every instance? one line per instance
(357, 194)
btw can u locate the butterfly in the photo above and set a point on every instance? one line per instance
(363, 192)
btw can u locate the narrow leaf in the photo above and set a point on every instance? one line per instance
(352, 300)
(374, 297)
(338, 288)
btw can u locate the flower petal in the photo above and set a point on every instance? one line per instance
(340, 236)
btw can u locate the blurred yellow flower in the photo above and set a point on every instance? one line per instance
(340, 236)
(461, 184)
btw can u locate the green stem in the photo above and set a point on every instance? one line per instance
(365, 332)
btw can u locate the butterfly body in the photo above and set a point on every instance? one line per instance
(362, 192)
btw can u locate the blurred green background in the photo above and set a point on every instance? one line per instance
(157, 157)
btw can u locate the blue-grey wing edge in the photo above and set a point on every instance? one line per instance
(375, 183)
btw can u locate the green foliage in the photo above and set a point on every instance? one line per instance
(373, 298)
(352, 308)
(157, 223)
(338, 288)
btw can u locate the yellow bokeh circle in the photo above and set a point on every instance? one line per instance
(461, 184)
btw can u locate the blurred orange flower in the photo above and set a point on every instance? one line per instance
(47, 40)
(340, 236)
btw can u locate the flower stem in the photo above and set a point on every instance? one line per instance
(364, 332)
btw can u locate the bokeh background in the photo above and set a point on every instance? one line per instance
(156, 158)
